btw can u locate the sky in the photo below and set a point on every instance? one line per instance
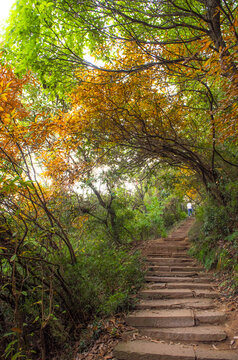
(5, 6)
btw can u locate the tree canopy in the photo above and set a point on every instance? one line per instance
(56, 38)
(112, 114)
(161, 83)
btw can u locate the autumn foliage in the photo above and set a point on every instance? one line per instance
(154, 107)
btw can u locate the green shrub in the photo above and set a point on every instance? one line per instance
(60, 298)
(102, 276)
(214, 240)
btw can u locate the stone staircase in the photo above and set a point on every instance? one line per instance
(177, 316)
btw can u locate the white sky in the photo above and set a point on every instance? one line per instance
(5, 7)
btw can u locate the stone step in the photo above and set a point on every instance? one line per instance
(170, 261)
(190, 285)
(193, 334)
(149, 350)
(181, 285)
(161, 318)
(189, 303)
(172, 243)
(185, 268)
(204, 293)
(177, 293)
(156, 286)
(209, 317)
(167, 254)
(175, 273)
(172, 279)
(166, 294)
(174, 318)
(207, 354)
(167, 248)
(176, 238)
(166, 251)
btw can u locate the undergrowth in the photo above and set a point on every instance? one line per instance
(214, 239)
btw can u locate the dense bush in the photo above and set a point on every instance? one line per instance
(57, 298)
(214, 237)
(106, 277)
(48, 296)
(173, 212)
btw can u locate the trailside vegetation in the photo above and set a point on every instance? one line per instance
(112, 114)
(60, 237)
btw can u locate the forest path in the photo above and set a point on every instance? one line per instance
(178, 316)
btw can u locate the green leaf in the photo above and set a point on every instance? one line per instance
(13, 258)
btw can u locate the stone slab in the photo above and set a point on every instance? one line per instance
(209, 317)
(166, 294)
(170, 244)
(158, 268)
(187, 268)
(161, 318)
(145, 350)
(170, 268)
(193, 334)
(168, 253)
(205, 354)
(172, 261)
(175, 273)
(167, 248)
(205, 293)
(189, 285)
(172, 279)
(189, 303)
(156, 286)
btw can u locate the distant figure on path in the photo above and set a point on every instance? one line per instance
(190, 209)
